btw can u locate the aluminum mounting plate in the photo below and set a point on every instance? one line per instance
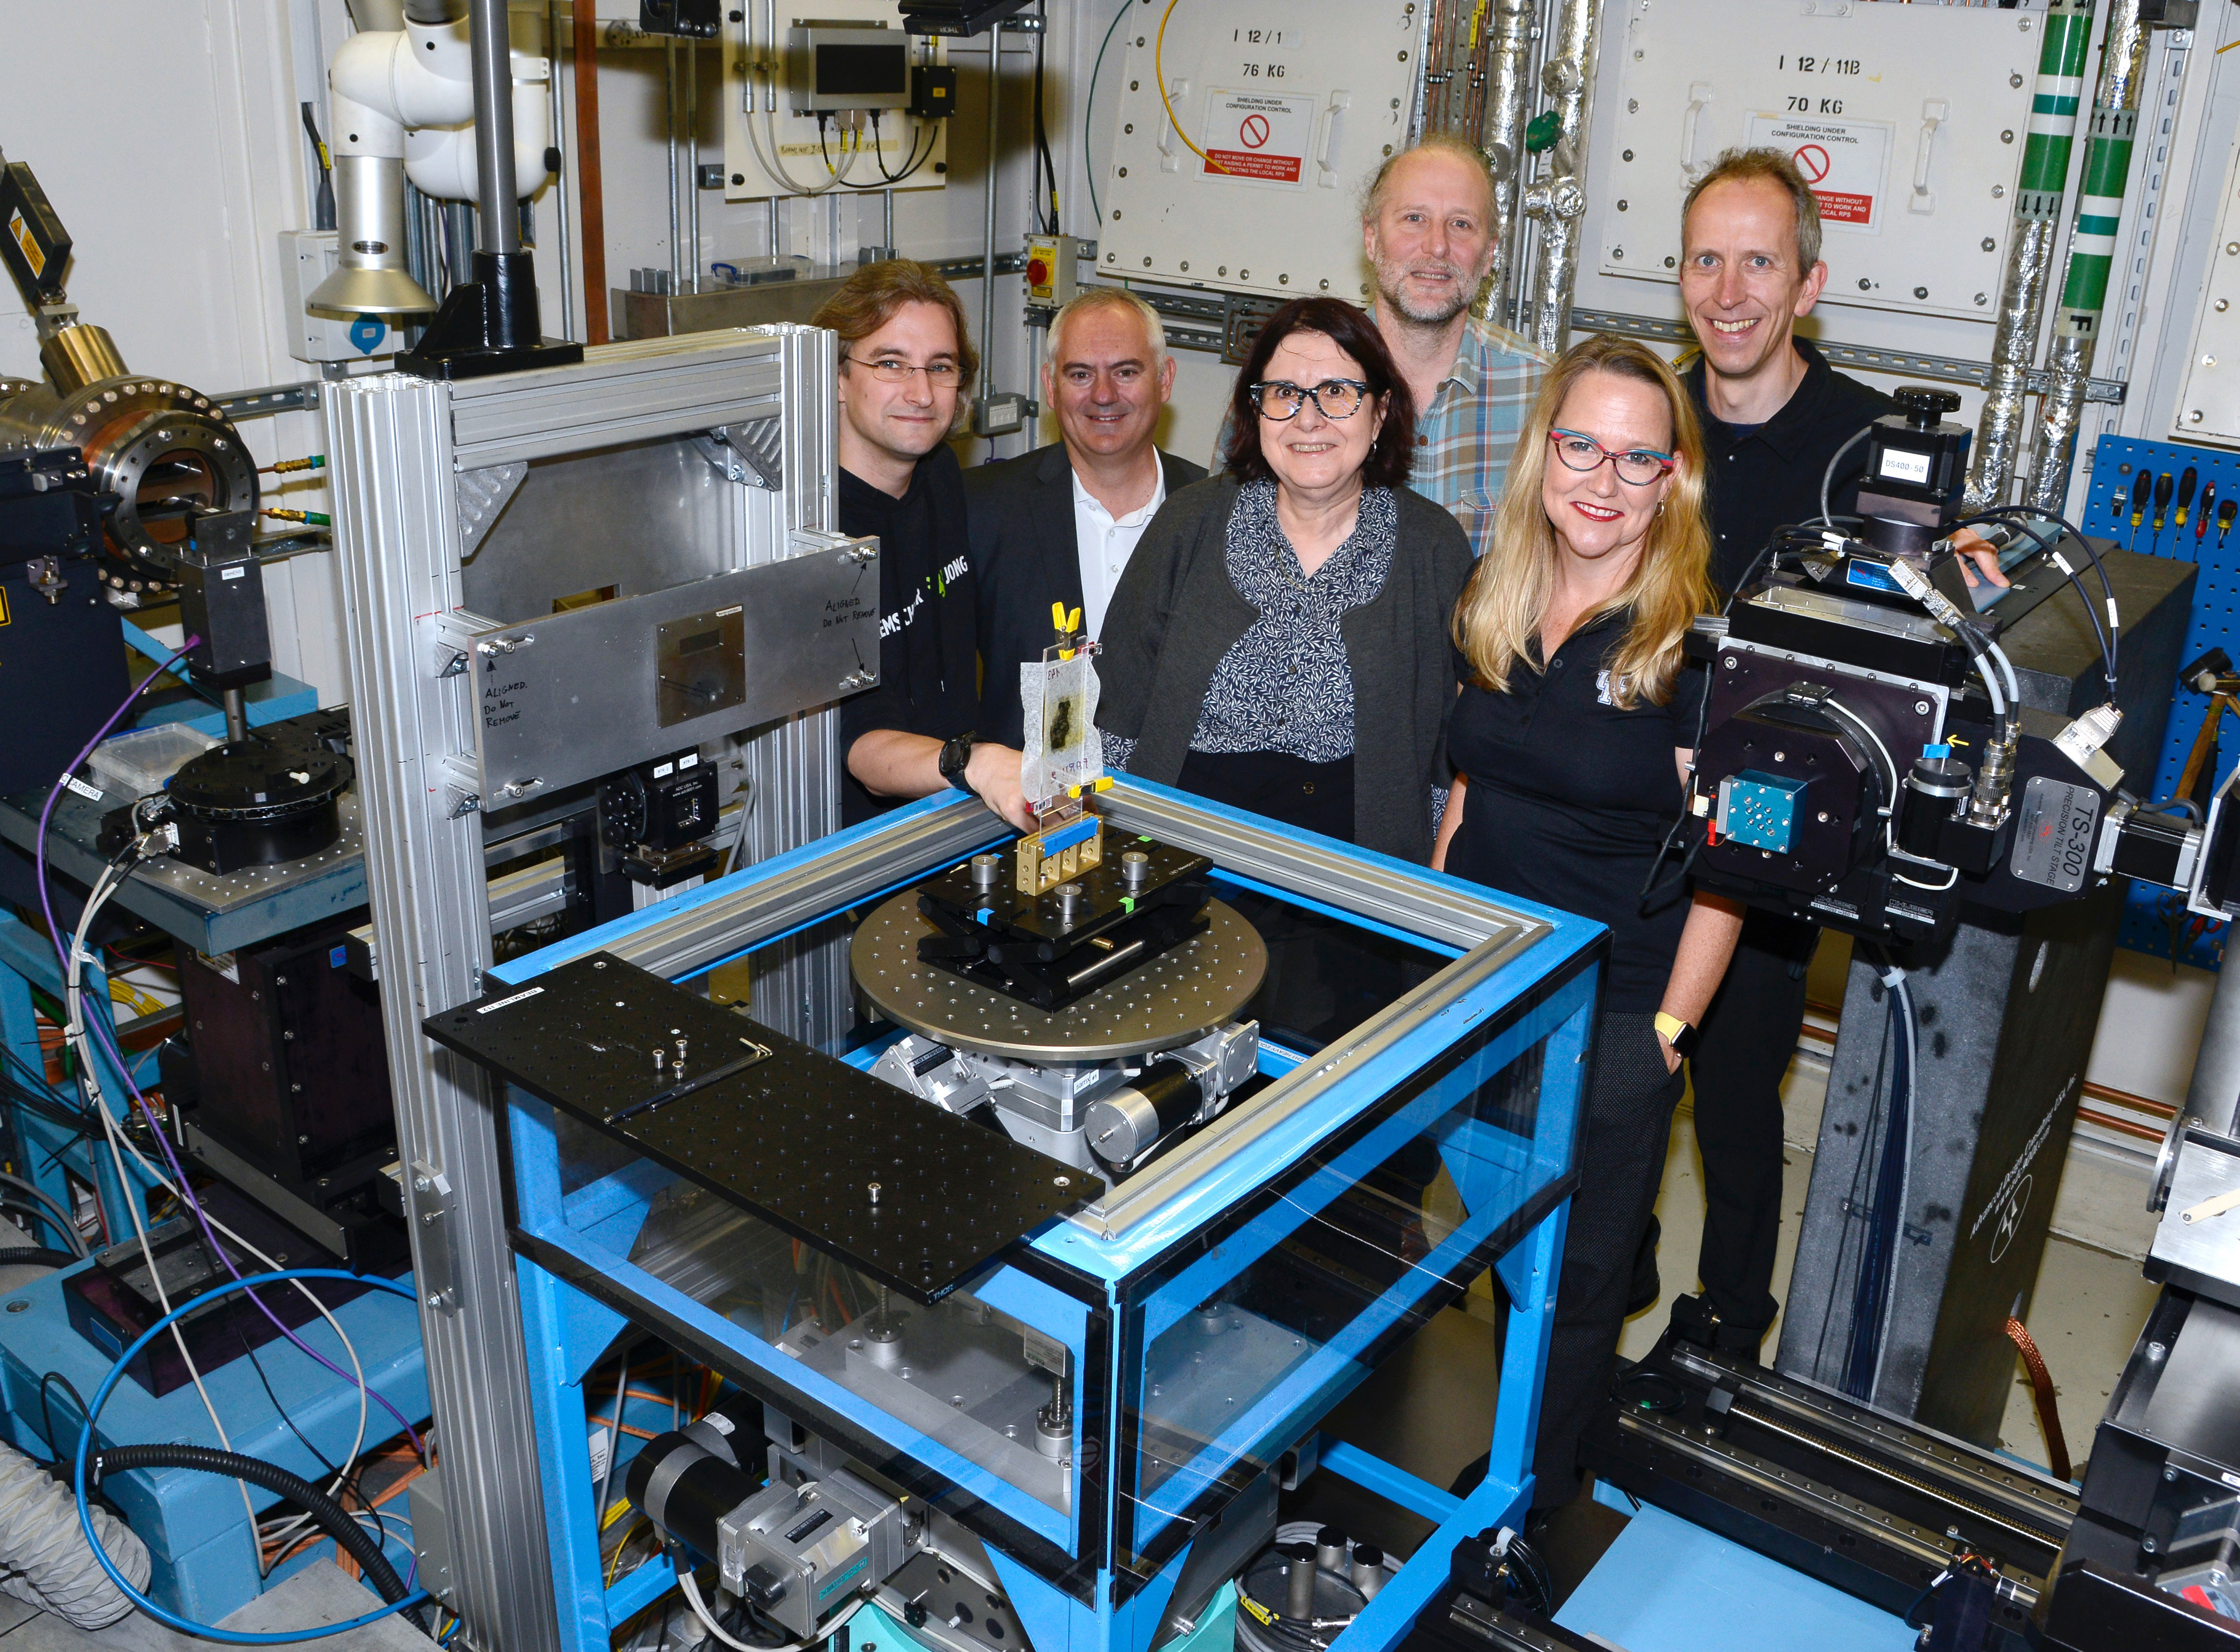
(1177, 996)
(913, 1196)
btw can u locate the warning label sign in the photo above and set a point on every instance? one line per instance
(1257, 137)
(1843, 161)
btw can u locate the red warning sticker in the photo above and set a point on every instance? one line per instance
(1258, 136)
(1843, 161)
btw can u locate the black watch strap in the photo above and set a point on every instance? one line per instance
(956, 757)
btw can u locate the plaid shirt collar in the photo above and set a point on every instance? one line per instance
(1480, 340)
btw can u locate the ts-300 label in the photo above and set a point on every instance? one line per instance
(2054, 833)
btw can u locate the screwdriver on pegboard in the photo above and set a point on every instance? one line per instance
(2185, 486)
(2201, 521)
(2141, 485)
(2163, 485)
(2225, 513)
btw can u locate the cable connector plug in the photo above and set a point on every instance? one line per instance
(2084, 742)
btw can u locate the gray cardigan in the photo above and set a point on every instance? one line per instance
(1176, 614)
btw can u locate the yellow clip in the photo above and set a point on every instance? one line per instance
(1057, 617)
(1073, 791)
(1104, 783)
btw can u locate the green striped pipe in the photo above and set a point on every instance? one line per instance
(2054, 103)
(2092, 236)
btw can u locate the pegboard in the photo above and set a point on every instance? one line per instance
(2215, 623)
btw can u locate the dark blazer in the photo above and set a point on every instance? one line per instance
(1176, 613)
(1019, 516)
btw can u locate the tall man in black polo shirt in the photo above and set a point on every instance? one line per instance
(1774, 413)
(905, 360)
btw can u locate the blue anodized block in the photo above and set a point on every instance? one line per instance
(1759, 810)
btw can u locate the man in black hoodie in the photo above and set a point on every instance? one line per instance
(905, 361)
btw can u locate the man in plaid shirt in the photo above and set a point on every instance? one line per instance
(1426, 226)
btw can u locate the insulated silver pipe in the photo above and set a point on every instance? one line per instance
(1558, 202)
(669, 114)
(2091, 255)
(1501, 134)
(988, 268)
(492, 44)
(560, 199)
(2038, 195)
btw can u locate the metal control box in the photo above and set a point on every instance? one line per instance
(1052, 272)
(1246, 176)
(785, 77)
(1908, 122)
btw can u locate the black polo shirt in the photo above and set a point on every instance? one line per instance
(928, 657)
(1764, 476)
(1571, 798)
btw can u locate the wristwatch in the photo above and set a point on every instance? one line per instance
(1677, 1033)
(955, 755)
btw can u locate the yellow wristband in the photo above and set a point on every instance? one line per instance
(1670, 1027)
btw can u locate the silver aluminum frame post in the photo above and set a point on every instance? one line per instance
(560, 199)
(1501, 134)
(668, 119)
(490, 46)
(692, 152)
(2039, 192)
(988, 266)
(1558, 202)
(2091, 255)
(397, 536)
(394, 457)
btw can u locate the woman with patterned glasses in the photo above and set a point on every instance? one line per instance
(1571, 742)
(1270, 613)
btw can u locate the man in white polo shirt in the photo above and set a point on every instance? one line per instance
(1057, 525)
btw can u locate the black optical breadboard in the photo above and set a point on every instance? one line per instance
(791, 1135)
(2155, 920)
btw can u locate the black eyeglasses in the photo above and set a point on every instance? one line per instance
(1334, 398)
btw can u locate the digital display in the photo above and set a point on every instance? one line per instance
(862, 71)
(1900, 466)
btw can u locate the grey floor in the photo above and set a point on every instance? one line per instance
(2085, 1314)
(1430, 1408)
(319, 1594)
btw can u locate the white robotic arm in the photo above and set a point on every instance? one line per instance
(402, 105)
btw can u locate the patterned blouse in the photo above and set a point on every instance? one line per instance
(1285, 685)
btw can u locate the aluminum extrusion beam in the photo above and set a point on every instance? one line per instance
(397, 537)
(1951, 370)
(396, 445)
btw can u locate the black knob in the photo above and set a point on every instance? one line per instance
(1924, 404)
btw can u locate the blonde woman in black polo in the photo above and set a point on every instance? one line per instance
(1572, 740)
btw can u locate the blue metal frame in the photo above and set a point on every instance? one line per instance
(579, 1291)
(194, 1524)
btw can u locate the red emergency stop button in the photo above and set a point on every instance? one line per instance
(1038, 272)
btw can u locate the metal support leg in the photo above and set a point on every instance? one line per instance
(397, 535)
